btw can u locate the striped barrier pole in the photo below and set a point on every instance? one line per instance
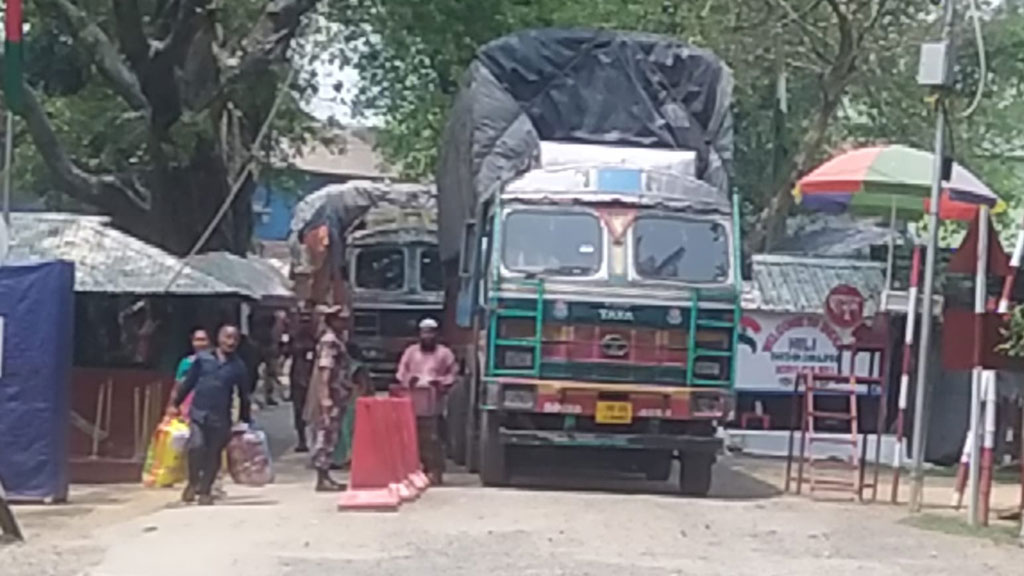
(908, 345)
(1003, 309)
(961, 474)
(988, 445)
(968, 473)
(1018, 252)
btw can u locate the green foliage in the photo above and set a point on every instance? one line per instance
(102, 134)
(1013, 333)
(410, 55)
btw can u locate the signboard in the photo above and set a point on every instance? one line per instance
(774, 348)
(844, 307)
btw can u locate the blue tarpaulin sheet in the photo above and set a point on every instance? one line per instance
(36, 324)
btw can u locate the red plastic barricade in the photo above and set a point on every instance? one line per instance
(411, 449)
(399, 440)
(374, 475)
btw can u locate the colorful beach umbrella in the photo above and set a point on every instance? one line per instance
(879, 179)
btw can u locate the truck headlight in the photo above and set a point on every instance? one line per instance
(518, 397)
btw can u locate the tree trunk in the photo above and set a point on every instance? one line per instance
(187, 76)
(185, 201)
(772, 227)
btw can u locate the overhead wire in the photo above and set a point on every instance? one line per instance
(979, 38)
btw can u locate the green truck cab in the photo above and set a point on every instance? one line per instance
(609, 320)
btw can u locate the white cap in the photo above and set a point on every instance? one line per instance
(428, 324)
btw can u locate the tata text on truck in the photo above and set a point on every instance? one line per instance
(583, 191)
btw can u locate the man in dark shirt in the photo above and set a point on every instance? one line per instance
(213, 377)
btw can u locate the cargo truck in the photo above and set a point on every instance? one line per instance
(591, 250)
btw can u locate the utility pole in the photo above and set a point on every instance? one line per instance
(921, 403)
(8, 166)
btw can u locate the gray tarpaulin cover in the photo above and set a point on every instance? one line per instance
(338, 206)
(588, 86)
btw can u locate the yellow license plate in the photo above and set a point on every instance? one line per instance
(613, 413)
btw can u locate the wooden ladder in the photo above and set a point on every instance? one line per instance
(828, 474)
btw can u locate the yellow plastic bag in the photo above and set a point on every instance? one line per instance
(165, 459)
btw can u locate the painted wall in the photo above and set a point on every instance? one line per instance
(275, 198)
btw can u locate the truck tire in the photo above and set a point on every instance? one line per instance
(493, 470)
(695, 474)
(658, 466)
(456, 425)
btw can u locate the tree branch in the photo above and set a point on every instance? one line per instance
(270, 37)
(833, 84)
(846, 54)
(112, 192)
(879, 9)
(131, 34)
(104, 54)
(816, 41)
(179, 20)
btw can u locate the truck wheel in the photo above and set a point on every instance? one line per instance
(456, 424)
(492, 451)
(695, 474)
(658, 466)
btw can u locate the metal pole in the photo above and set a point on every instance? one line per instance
(892, 248)
(977, 374)
(8, 161)
(974, 446)
(920, 394)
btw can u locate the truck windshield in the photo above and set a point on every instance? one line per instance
(561, 244)
(430, 270)
(380, 269)
(682, 249)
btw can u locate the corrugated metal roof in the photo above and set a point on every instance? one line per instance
(796, 284)
(106, 259)
(252, 274)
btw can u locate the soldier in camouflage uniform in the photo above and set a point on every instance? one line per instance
(330, 391)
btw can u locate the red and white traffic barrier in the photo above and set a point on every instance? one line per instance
(908, 345)
(1018, 253)
(988, 444)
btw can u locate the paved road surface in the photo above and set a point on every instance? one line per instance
(599, 528)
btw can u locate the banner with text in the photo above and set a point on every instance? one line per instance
(774, 348)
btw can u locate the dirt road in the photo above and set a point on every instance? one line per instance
(463, 529)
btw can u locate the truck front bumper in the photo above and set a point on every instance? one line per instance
(542, 438)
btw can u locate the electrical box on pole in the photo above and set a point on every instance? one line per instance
(935, 69)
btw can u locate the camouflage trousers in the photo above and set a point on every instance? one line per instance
(325, 438)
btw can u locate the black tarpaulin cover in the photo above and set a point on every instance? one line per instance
(589, 86)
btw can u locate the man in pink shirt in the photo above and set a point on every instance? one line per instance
(428, 363)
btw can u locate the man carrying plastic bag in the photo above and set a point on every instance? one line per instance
(214, 377)
(165, 458)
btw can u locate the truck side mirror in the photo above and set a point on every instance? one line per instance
(466, 254)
